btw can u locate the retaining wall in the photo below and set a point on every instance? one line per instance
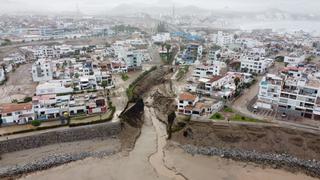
(60, 136)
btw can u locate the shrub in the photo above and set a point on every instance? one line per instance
(36, 123)
(27, 99)
(217, 116)
(124, 77)
(14, 101)
(228, 110)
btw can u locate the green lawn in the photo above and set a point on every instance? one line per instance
(217, 116)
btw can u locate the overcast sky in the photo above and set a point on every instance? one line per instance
(91, 6)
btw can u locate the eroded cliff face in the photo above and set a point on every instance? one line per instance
(133, 114)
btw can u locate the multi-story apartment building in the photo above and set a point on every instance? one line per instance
(254, 61)
(295, 92)
(214, 55)
(204, 71)
(42, 71)
(294, 59)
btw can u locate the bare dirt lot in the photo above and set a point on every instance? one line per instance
(19, 85)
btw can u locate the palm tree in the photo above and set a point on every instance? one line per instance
(104, 85)
(168, 47)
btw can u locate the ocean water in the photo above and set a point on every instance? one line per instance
(280, 26)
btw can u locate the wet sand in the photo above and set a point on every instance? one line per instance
(200, 167)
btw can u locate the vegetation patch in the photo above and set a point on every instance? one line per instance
(130, 89)
(36, 123)
(124, 77)
(182, 71)
(240, 118)
(217, 116)
(228, 110)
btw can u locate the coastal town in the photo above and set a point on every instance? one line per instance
(98, 83)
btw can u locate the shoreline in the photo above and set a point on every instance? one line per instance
(275, 161)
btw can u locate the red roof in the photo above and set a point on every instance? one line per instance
(9, 108)
(187, 97)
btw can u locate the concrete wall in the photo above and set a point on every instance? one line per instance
(60, 136)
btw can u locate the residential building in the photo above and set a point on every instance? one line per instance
(254, 61)
(42, 70)
(294, 59)
(15, 58)
(222, 39)
(296, 92)
(16, 113)
(206, 71)
(189, 104)
(52, 88)
(2, 75)
(161, 38)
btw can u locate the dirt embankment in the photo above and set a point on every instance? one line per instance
(265, 139)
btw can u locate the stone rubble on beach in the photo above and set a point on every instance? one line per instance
(49, 162)
(310, 167)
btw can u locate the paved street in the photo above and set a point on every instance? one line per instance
(240, 105)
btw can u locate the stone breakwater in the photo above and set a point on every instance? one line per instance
(60, 136)
(49, 162)
(310, 167)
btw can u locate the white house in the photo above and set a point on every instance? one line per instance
(2, 75)
(222, 39)
(15, 58)
(52, 88)
(206, 71)
(161, 38)
(16, 113)
(255, 62)
(42, 71)
(294, 59)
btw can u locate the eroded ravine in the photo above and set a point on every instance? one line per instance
(157, 159)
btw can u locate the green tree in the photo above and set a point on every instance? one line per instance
(168, 47)
(14, 101)
(77, 75)
(27, 99)
(310, 58)
(236, 82)
(171, 118)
